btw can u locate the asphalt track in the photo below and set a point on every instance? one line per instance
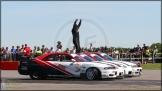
(149, 80)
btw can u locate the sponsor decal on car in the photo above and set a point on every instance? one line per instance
(58, 75)
(77, 69)
(87, 64)
(62, 66)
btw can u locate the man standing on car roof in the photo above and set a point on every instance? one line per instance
(75, 33)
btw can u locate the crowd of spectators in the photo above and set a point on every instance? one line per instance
(25, 50)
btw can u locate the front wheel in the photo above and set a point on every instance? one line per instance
(35, 73)
(92, 74)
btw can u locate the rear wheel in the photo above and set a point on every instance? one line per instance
(35, 73)
(92, 74)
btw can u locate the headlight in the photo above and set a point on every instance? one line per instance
(110, 68)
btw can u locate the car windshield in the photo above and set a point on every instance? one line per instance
(88, 58)
(98, 58)
(80, 59)
(108, 57)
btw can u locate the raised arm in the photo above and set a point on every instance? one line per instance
(75, 23)
(79, 23)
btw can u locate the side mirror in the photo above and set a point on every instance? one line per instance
(73, 60)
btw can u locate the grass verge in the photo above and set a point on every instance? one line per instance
(156, 66)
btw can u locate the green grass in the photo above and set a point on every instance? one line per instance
(156, 66)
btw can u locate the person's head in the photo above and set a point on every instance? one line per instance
(138, 45)
(35, 47)
(74, 47)
(46, 49)
(18, 47)
(3, 47)
(43, 46)
(59, 42)
(144, 45)
(51, 48)
(25, 45)
(22, 46)
(38, 48)
(91, 44)
(6, 48)
(13, 47)
(155, 47)
(67, 49)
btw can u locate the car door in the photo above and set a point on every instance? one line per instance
(50, 68)
(69, 64)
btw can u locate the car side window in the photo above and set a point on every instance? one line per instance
(66, 58)
(51, 57)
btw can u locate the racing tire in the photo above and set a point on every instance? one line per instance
(92, 74)
(35, 74)
(140, 73)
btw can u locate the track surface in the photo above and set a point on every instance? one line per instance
(150, 80)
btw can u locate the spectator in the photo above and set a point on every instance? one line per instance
(27, 51)
(17, 53)
(122, 53)
(34, 50)
(91, 48)
(154, 53)
(145, 47)
(102, 49)
(138, 48)
(98, 50)
(6, 54)
(147, 54)
(59, 46)
(116, 53)
(38, 52)
(106, 49)
(67, 50)
(22, 47)
(82, 49)
(74, 50)
(21, 52)
(13, 53)
(1, 54)
(138, 51)
(94, 49)
(46, 50)
(51, 50)
(43, 49)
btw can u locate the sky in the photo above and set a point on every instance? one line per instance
(104, 23)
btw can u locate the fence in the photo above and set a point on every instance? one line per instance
(134, 57)
(122, 56)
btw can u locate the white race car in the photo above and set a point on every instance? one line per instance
(64, 65)
(120, 69)
(136, 70)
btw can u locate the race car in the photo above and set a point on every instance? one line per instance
(107, 57)
(66, 65)
(137, 66)
(136, 69)
(123, 70)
